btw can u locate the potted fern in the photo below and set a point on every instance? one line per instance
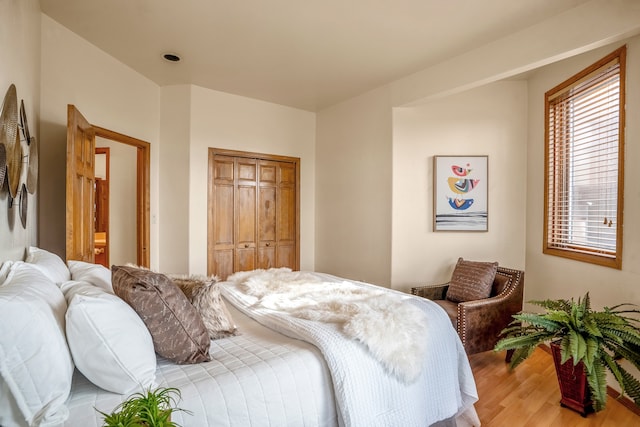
(584, 341)
(151, 408)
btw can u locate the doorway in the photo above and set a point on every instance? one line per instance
(102, 195)
(129, 229)
(80, 204)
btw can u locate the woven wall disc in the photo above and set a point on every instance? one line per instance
(3, 164)
(32, 169)
(14, 167)
(10, 138)
(24, 123)
(24, 198)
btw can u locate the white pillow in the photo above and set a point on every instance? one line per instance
(35, 362)
(4, 271)
(109, 342)
(95, 274)
(49, 263)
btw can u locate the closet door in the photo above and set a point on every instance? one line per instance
(245, 214)
(287, 216)
(253, 212)
(221, 242)
(267, 214)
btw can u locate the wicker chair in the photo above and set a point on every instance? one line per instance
(479, 322)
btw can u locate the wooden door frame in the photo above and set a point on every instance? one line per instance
(210, 195)
(143, 204)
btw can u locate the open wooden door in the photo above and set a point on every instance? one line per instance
(80, 187)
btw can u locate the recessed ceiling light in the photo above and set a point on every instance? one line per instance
(171, 57)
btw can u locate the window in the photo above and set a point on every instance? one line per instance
(584, 145)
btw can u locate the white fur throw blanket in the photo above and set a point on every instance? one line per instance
(393, 332)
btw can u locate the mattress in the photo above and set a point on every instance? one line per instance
(258, 378)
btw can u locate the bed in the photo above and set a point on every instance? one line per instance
(286, 366)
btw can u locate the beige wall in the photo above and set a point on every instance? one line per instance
(180, 122)
(353, 188)
(20, 65)
(360, 245)
(173, 215)
(222, 120)
(109, 95)
(490, 120)
(553, 277)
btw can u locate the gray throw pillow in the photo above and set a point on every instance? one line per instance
(204, 294)
(471, 280)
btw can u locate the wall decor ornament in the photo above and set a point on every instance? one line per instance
(10, 138)
(32, 167)
(460, 193)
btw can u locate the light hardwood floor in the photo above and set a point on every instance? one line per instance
(529, 396)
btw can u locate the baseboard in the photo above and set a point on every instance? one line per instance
(611, 392)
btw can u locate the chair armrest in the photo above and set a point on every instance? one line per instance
(480, 322)
(432, 292)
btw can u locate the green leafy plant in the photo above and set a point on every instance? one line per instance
(151, 408)
(599, 339)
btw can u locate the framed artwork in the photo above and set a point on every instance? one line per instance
(460, 193)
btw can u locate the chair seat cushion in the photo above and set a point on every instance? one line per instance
(471, 280)
(451, 308)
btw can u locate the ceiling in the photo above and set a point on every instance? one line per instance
(307, 54)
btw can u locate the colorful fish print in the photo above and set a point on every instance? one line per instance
(460, 204)
(461, 171)
(462, 186)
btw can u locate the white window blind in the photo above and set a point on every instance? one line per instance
(585, 123)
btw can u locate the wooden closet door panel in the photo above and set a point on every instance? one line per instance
(267, 209)
(246, 214)
(286, 220)
(222, 263)
(224, 224)
(267, 205)
(221, 258)
(267, 213)
(246, 228)
(286, 228)
(267, 227)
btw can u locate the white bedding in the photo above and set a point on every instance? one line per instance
(366, 394)
(292, 374)
(259, 378)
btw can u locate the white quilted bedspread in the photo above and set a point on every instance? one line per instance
(366, 395)
(258, 378)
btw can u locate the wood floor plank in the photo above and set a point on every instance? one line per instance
(529, 396)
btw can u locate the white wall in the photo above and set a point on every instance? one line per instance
(20, 47)
(222, 120)
(581, 29)
(180, 122)
(173, 215)
(554, 277)
(353, 188)
(108, 94)
(490, 120)
(122, 201)
(358, 246)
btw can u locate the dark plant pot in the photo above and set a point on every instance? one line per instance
(574, 388)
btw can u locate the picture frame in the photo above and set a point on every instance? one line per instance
(460, 193)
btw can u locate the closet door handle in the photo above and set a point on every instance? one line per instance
(246, 245)
(268, 244)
